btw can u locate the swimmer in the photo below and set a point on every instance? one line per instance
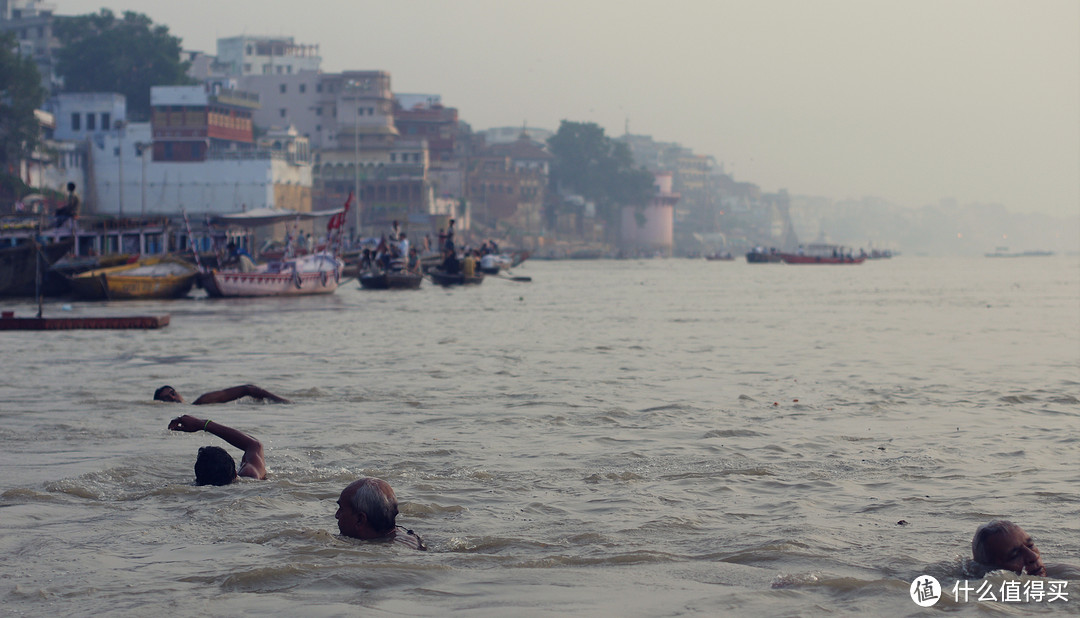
(1002, 544)
(214, 465)
(225, 395)
(367, 510)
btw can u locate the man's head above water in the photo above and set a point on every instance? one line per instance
(1001, 544)
(367, 509)
(168, 393)
(214, 466)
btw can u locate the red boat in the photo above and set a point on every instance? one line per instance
(822, 254)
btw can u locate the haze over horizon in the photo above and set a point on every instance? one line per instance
(911, 102)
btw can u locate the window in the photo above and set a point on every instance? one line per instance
(90, 121)
(280, 70)
(75, 124)
(393, 158)
(303, 88)
(318, 128)
(282, 112)
(318, 111)
(247, 67)
(318, 87)
(105, 124)
(282, 88)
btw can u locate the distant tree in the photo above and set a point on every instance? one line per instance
(21, 93)
(599, 169)
(101, 53)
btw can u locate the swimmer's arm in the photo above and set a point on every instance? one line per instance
(226, 395)
(252, 464)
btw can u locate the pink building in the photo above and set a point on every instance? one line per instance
(654, 234)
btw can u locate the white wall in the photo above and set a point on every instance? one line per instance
(215, 186)
(86, 103)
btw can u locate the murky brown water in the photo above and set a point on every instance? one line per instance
(614, 438)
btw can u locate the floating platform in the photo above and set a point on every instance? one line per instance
(8, 321)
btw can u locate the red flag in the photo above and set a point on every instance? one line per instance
(338, 220)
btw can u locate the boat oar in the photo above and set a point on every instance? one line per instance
(521, 279)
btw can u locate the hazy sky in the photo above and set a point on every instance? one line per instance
(908, 100)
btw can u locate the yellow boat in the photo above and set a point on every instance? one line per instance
(164, 277)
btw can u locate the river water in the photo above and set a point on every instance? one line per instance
(642, 438)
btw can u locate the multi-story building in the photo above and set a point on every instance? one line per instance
(31, 23)
(198, 155)
(83, 115)
(266, 55)
(507, 182)
(424, 117)
(190, 122)
(504, 135)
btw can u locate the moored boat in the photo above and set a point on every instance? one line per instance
(19, 268)
(58, 278)
(316, 273)
(166, 277)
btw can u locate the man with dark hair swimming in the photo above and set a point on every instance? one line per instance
(225, 395)
(367, 510)
(214, 465)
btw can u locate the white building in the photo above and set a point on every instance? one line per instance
(265, 55)
(504, 135)
(83, 115)
(128, 183)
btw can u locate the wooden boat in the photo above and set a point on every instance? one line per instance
(58, 278)
(316, 273)
(395, 280)
(821, 254)
(504, 261)
(438, 277)
(165, 277)
(19, 269)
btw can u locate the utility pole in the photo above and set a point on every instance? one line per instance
(140, 149)
(119, 124)
(356, 162)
